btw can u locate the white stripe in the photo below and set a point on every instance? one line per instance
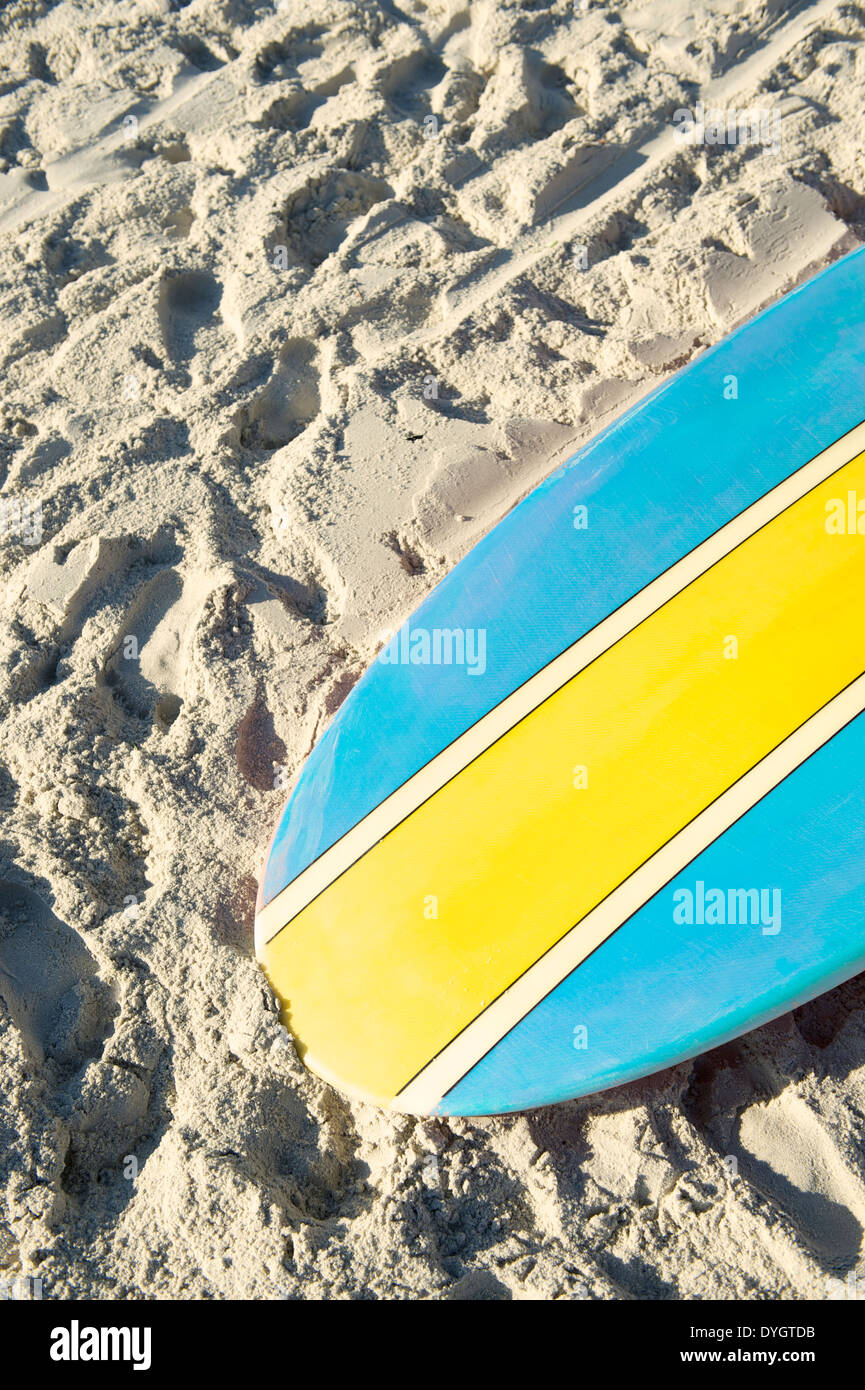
(432, 777)
(422, 1094)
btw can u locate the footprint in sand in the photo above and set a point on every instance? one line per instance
(49, 982)
(408, 82)
(318, 214)
(280, 60)
(146, 669)
(188, 314)
(289, 401)
(787, 1153)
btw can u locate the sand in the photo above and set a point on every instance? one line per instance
(296, 301)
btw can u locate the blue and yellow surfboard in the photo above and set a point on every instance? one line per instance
(600, 804)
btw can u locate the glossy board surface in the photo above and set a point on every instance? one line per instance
(598, 806)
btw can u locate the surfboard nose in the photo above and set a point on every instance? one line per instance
(644, 686)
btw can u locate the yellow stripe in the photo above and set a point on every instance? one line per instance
(454, 1061)
(300, 891)
(512, 855)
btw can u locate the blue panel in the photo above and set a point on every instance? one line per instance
(660, 990)
(657, 482)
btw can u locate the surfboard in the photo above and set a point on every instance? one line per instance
(599, 805)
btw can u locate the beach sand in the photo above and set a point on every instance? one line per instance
(296, 301)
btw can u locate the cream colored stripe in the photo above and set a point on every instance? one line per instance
(422, 1094)
(429, 779)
